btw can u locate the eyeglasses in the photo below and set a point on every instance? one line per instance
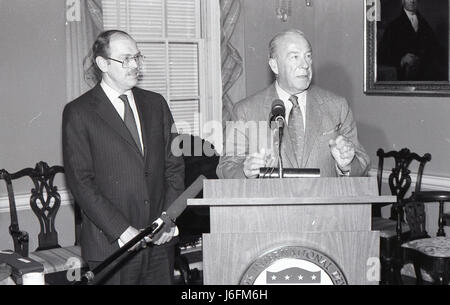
(126, 63)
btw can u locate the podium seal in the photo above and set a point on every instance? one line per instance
(293, 265)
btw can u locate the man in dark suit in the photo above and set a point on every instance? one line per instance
(320, 131)
(411, 47)
(119, 165)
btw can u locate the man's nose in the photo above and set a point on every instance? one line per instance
(303, 62)
(134, 63)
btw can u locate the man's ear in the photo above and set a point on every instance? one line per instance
(273, 65)
(102, 63)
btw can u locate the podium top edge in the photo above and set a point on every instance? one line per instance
(297, 178)
(291, 187)
(291, 201)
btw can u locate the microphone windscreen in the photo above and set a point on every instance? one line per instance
(278, 108)
(178, 206)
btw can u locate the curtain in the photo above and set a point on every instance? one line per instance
(232, 65)
(83, 24)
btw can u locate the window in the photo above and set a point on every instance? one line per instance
(181, 42)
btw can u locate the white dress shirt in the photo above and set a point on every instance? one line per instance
(118, 104)
(413, 19)
(301, 98)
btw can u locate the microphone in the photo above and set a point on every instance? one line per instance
(277, 114)
(278, 110)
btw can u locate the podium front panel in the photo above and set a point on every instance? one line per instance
(233, 258)
(324, 223)
(290, 218)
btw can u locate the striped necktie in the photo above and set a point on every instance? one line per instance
(130, 122)
(296, 128)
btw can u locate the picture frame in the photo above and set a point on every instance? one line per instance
(399, 61)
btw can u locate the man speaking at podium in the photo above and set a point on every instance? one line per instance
(320, 131)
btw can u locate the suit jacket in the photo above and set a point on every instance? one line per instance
(324, 112)
(399, 38)
(111, 181)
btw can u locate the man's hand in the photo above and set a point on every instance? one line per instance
(254, 162)
(343, 152)
(128, 235)
(166, 233)
(409, 59)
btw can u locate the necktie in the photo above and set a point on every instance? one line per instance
(130, 121)
(415, 22)
(296, 128)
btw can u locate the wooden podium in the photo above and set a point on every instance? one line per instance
(257, 222)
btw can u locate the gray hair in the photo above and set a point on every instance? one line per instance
(274, 43)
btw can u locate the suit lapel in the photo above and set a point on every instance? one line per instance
(313, 124)
(106, 111)
(144, 118)
(407, 23)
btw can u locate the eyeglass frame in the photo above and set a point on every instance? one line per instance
(128, 59)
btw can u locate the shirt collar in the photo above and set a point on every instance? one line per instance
(111, 93)
(410, 14)
(284, 96)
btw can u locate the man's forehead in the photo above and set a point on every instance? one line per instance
(122, 43)
(294, 39)
(120, 36)
(296, 46)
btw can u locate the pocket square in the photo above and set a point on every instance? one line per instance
(335, 129)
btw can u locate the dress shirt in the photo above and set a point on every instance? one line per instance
(113, 97)
(284, 96)
(413, 19)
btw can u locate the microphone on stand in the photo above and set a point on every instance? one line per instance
(277, 114)
(278, 111)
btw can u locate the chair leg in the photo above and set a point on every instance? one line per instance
(385, 276)
(182, 264)
(418, 272)
(392, 275)
(397, 274)
(441, 279)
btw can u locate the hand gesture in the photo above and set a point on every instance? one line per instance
(343, 152)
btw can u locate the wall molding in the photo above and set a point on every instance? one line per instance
(429, 182)
(23, 200)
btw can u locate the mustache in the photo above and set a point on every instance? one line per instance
(136, 71)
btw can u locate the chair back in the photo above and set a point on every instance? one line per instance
(20, 238)
(400, 182)
(45, 201)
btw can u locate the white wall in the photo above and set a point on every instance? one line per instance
(32, 83)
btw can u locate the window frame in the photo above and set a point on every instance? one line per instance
(209, 68)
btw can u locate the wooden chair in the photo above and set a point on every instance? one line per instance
(430, 256)
(45, 201)
(394, 231)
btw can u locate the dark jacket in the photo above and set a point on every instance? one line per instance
(399, 38)
(111, 181)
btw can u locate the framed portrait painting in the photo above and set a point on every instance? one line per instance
(407, 47)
